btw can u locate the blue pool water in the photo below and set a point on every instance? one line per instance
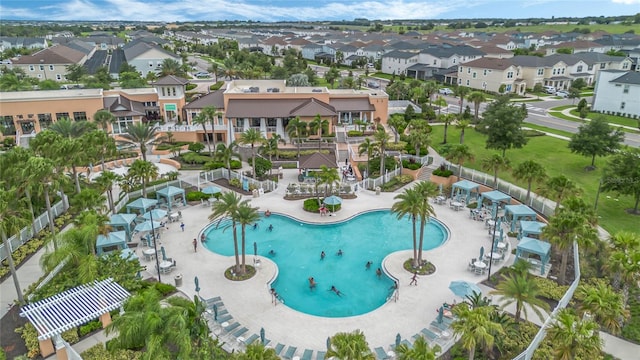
(367, 237)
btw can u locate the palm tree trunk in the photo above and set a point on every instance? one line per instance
(382, 167)
(143, 151)
(244, 268)
(415, 245)
(472, 353)
(52, 228)
(563, 266)
(12, 267)
(253, 156)
(235, 246)
(213, 136)
(446, 126)
(461, 136)
(528, 192)
(299, 139)
(495, 178)
(421, 242)
(76, 178)
(110, 198)
(27, 193)
(204, 129)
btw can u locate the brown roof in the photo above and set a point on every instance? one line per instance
(58, 54)
(489, 63)
(121, 106)
(313, 107)
(274, 108)
(171, 80)
(318, 159)
(212, 99)
(352, 104)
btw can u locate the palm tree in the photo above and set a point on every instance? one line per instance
(367, 147)
(104, 118)
(559, 188)
(245, 215)
(624, 261)
(270, 147)
(458, 154)
(227, 207)
(604, 304)
(349, 346)
(106, 180)
(477, 97)
(41, 171)
(99, 145)
(257, 351)
(328, 176)
(572, 337)
(211, 114)
(200, 119)
(418, 135)
(13, 217)
(70, 129)
(226, 153)
(420, 350)
(144, 172)
(440, 102)
(522, 290)
(78, 247)
(425, 190)
(495, 163)
(429, 88)
(295, 129)
(382, 140)
(529, 171)
(461, 92)
(90, 199)
(253, 137)
(474, 326)
(462, 124)
(171, 67)
(446, 119)
(141, 135)
(409, 203)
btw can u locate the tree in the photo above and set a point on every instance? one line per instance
(429, 88)
(420, 350)
(559, 188)
(196, 147)
(596, 138)
(408, 203)
(98, 145)
(106, 180)
(367, 147)
(75, 72)
(141, 135)
(328, 176)
(503, 120)
(572, 337)
(462, 124)
(397, 123)
(332, 75)
(257, 350)
(200, 119)
(382, 140)
(298, 80)
(474, 326)
(440, 102)
(461, 92)
(529, 171)
(425, 190)
(458, 154)
(227, 207)
(522, 290)
(583, 107)
(171, 67)
(495, 163)
(622, 173)
(349, 346)
(227, 153)
(144, 172)
(578, 83)
(270, 146)
(477, 98)
(103, 118)
(13, 217)
(295, 129)
(419, 135)
(624, 262)
(211, 114)
(245, 215)
(604, 304)
(252, 137)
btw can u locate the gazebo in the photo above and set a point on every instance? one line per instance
(141, 205)
(495, 197)
(531, 229)
(515, 213)
(466, 187)
(115, 240)
(124, 222)
(172, 194)
(529, 245)
(316, 160)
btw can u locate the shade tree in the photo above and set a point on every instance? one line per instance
(596, 138)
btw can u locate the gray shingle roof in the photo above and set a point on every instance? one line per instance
(449, 51)
(215, 98)
(630, 77)
(397, 54)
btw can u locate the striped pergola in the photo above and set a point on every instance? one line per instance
(54, 315)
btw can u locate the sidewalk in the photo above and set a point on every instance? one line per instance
(567, 112)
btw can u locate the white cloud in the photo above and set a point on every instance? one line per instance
(627, 2)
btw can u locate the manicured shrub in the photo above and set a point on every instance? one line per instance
(89, 327)
(235, 182)
(165, 289)
(197, 196)
(442, 172)
(354, 133)
(191, 86)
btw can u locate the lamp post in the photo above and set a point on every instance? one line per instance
(155, 247)
(493, 239)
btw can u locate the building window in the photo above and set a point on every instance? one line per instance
(510, 75)
(174, 91)
(460, 68)
(622, 105)
(454, 60)
(603, 65)
(41, 67)
(590, 67)
(44, 120)
(255, 123)
(540, 72)
(163, 94)
(51, 67)
(121, 124)
(79, 116)
(150, 64)
(39, 76)
(554, 71)
(467, 82)
(32, 68)
(626, 89)
(6, 125)
(625, 65)
(563, 70)
(484, 72)
(469, 70)
(474, 74)
(220, 120)
(579, 68)
(63, 115)
(239, 126)
(58, 77)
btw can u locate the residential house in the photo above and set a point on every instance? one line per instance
(7, 42)
(617, 92)
(576, 46)
(489, 74)
(397, 61)
(274, 45)
(222, 130)
(147, 57)
(435, 61)
(50, 63)
(298, 43)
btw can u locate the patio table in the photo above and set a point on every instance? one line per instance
(492, 256)
(165, 266)
(149, 254)
(457, 205)
(480, 264)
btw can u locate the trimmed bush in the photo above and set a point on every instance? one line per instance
(197, 196)
(354, 133)
(411, 164)
(165, 289)
(216, 86)
(190, 86)
(442, 172)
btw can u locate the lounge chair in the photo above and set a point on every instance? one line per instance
(291, 351)
(438, 326)
(251, 339)
(240, 332)
(320, 355)
(232, 327)
(307, 354)
(225, 318)
(429, 335)
(381, 354)
(278, 348)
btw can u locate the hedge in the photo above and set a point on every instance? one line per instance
(216, 86)
(293, 154)
(443, 173)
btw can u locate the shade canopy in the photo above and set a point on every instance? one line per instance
(113, 241)
(495, 197)
(518, 212)
(128, 254)
(147, 226)
(211, 190)
(123, 222)
(333, 200)
(464, 288)
(155, 214)
(172, 194)
(529, 245)
(528, 228)
(465, 189)
(141, 205)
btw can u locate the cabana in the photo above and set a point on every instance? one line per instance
(141, 205)
(116, 240)
(172, 194)
(528, 246)
(495, 197)
(125, 222)
(470, 190)
(531, 229)
(515, 213)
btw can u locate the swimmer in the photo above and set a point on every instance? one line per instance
(255, 226)
(379, 273)
(312, 283)
(271, 252)
(267, 213)
(270, 227)
(339, 253)
(322, 255)
(368, 265)
(333, 288)
(202, 238)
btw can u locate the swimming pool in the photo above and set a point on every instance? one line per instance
(366, 237)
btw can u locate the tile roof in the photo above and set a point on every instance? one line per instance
(215, 98)
(122, 106)
(171, 80)
(57, 54)
(316, 160)
(489, 63)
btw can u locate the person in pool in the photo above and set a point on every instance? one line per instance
(255, 226)
(368, 265)
(339, 253)
(270, 228)
(322, 255)
(333, 288)
(312, 283)
(379, 273)
(272, 252)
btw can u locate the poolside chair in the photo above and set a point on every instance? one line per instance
(251, 339)
(320, 355)
(429, 335)
(278, 348)
(291, 351)
(232, 327)
(240, 332)
(381, 354)
(225, 318)
(307, 354)
(438, 326)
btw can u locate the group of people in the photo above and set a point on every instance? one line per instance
(270, 228)
(323, 254)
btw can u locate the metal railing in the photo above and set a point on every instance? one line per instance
(27, 233)
(222, 173)
(424, 160)
(371, 184)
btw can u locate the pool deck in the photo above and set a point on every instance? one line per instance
(249, 302)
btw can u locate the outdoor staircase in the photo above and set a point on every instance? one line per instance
(341, 135)
(425, 173)
(342, 154)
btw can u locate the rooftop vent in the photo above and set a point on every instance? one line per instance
(316, 90)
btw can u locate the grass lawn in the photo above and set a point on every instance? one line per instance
(620, 120)
(547, 130)
(555, 156)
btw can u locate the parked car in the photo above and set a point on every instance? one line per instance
(201, 74)
(445, 91)
(373, 85)
(550, 89)
(562, 93)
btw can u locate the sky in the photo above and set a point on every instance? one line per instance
(306, 10)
